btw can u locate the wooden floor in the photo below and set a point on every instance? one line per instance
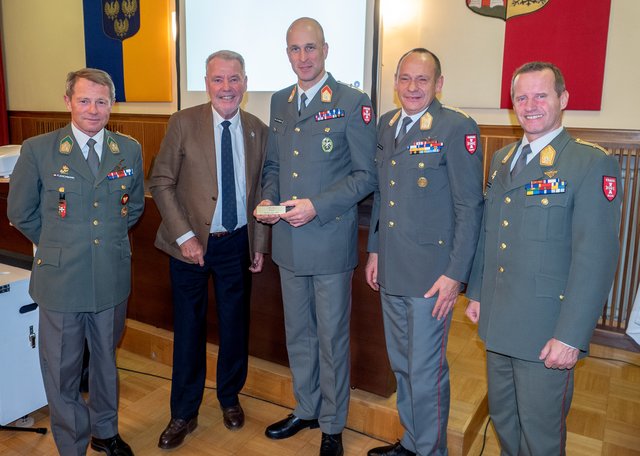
(604, 418)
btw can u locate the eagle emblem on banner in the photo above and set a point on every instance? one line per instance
(505, 9)
(120, 18)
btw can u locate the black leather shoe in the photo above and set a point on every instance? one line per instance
(114, 446)
(331, 445)
(391, 450)
(233, 417)
(289, 426)
(175, 432)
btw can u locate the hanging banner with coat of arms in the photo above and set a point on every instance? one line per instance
(130, 40)
(569, 33)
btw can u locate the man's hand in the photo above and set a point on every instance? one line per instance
(371, 271)
(448, 290)
(192, 250)
(473, 311)
(302, 213)
(268, 219)
(557, 355)
(258, 261)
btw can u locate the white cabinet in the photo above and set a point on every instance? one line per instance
(21, 388)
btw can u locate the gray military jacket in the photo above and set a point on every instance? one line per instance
(545, 262)
(79, 223)
(428, 206)
(326, 154)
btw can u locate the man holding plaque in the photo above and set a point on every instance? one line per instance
(424, 227)
(545, 262)
(319, 165)
(206, 182)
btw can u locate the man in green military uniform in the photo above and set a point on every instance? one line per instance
(424, 228)
(75, 193)
(545, 262)
(319, 164)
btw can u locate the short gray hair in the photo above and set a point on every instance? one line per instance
(225, 55)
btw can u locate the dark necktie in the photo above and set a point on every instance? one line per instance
(229, 209)
(403, 129)
(521, 162)
(92, 157)
(303, 103)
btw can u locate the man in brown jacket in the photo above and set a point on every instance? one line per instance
(206, 182)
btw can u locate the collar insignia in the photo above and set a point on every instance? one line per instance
(65, 145)
(547, 156)
(326, 94)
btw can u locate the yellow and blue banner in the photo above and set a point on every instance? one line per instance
(131, 40)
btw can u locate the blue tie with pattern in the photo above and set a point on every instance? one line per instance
(229, 209)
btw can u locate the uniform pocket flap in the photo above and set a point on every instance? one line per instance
(549, 286)
(48, 255)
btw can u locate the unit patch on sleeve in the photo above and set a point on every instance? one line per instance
(609, 187)
(471, 143)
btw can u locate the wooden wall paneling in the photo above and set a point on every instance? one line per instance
(10, 238)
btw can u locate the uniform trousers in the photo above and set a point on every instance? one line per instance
(317, 310)
(528, 404)
(417, 346)
(227, 261)
(62, 342)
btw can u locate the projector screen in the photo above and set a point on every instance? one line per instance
(257, 30)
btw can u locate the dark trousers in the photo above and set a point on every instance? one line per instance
(227, 260)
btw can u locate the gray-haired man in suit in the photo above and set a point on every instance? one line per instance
(424, 228)
(206, 188)
(75, 193)
(544, 266)
(319, 164)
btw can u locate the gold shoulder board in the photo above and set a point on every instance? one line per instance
(394, 118)
(594, 145)
(460, 111)
(127, 136)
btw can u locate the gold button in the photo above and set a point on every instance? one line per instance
(391, 224)
(391, 203)
(297, 130)
(296, 153)
(561, 297)
(294, 197)
(503, 246)
(500, 269)
(294, 175)
(420, 165)
(39, 261)
(507, 200)
(96, 223)
(505, 223)
(96, 241)
(393, 163)
(61, 189)
(392, 183)
(95, 204)
(440, 242)
(544, 201)
(123, 186)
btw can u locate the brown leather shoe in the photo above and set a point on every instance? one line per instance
(176, 431)
(233, 417)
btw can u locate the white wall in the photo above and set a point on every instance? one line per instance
(44, 39)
